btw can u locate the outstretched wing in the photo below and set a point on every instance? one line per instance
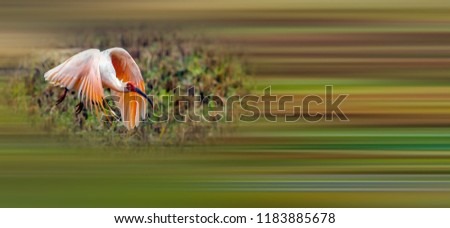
(80, 73)
(131, 105)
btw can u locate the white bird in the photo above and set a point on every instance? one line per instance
(90, 71)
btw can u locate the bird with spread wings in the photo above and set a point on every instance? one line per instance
(90, 71)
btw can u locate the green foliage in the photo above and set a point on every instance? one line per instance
(166, 62)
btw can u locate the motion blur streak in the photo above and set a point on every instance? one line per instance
(392, 58)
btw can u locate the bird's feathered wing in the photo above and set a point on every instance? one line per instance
(81, 73)
(132, 106)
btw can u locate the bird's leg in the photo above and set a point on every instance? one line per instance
(79, 108)
(61, 98)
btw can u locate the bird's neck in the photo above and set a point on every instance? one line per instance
(118, 86)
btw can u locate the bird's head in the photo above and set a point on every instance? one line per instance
(130, 87)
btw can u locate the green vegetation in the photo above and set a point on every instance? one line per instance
(167, 61)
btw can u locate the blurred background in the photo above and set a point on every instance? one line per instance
(391, 57)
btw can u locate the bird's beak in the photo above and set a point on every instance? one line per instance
(144, 95)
